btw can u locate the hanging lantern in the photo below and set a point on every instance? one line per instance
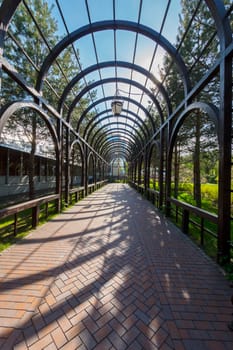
(116, 105)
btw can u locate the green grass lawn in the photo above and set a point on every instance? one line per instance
(24, 225)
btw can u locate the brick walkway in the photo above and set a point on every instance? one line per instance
(112, 273)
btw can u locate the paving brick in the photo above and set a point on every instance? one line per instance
(160, 337)
(108, 284)
(64, 323)
(51, 346)
(102, 333)
(30, 336)
(74, 331)
(73, 344)
(87, 339)
(131, 335)
(42, 343)
(58, 337)
(117, 341)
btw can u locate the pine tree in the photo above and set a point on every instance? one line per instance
(198, 47)
(25, 48)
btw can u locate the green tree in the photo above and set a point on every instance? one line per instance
(197, 43)
(26, 47)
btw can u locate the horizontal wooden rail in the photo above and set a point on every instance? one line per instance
(95, 186)
(26, 205)
(33, 204)
(78, 192)
(184, 212)
(187, 210)
(195, 210)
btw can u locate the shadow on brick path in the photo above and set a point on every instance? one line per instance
(112, 273)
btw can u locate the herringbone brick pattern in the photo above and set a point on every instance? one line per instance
(111, 273)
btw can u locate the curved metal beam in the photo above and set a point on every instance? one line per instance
(110, 156)
(112, 153)
(12, 107)
(123, 98)
(7, 10)
(124, 138)
(116, 123)
(119, 147)
(115, 131)
(223, 27)
(115, 25)
(211, 110)
(79, 143)
(87, 133)
(107, 144)
(113, 80)
(122, 64)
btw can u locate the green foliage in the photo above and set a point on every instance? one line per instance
(209, 195)
(29, 52)
(210, 192)
(186, 187)
(186, 197)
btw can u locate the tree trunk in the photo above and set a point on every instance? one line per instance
(176, 171)
(31, 167)
(196, 163)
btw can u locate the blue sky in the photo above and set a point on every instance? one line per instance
(152, 13)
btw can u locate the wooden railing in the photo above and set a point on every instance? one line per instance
(95, 186)
(186, 212)
(76, 194)
(153, 196)
(185, 215)
(34, 205)
(26, 215)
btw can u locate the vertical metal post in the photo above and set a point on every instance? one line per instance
(35, 215)
(185, 221)
(67, 166)
(59, 160)
(85, 171)
(225, 120)
(15, 223)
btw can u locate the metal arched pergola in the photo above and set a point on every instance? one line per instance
(128, 58)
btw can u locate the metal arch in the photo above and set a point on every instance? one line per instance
(77, 141)
(87, 133)
(112, 157)
(218, 12)
(153, 144)
(116, 132)
(7, 111)
(123, 64)
(115, 123)
(120, 144)
(208, 108)
(108, 145)
(123, 98)
(113, 80)
(7, 10)
(90, 154)
(123, 137)
(115, 25)
(119, 147)
(216, 7)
